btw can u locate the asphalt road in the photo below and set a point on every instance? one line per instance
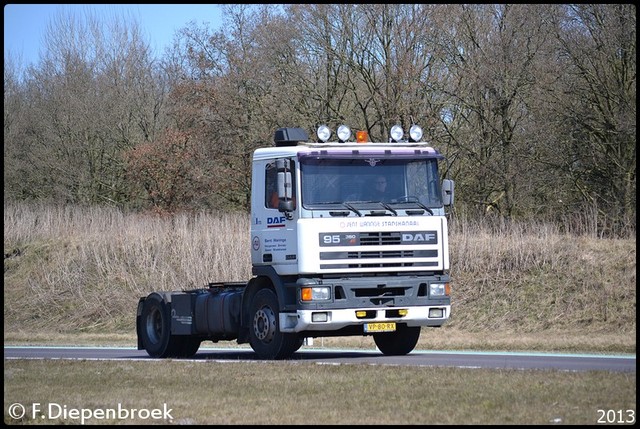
(496, 360)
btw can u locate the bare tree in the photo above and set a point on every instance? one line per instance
(495, 54)
(595, 110)
(92, 95)
(534, 105)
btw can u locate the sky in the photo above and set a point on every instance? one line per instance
(25, 24)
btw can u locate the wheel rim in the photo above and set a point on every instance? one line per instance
(154, 326)
(264, 324)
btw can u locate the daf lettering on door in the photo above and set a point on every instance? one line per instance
(276, 221)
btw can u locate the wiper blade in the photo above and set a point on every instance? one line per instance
(345, 204)
(388, 207)
(353, 209)
(416, 202)
(383, 204)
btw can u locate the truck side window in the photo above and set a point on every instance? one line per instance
(271, 186)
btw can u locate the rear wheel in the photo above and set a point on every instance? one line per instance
(264, 333)
(155, 331)
(400, 342)
(185, 346)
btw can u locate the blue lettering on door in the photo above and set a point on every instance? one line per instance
(275, 222)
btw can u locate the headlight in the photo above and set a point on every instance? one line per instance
(315, 293)
(396, 133)
(415, 133)
(344, 133)
(438, 289)
(323, 133)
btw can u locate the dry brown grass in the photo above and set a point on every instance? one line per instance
(72, 270)
(303, 393)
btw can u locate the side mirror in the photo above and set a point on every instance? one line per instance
(285, 205)
(285, 192)
(285, 187)
(447, 192)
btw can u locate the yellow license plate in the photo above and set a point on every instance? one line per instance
(380, 327)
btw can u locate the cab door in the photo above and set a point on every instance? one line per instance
(274, 214)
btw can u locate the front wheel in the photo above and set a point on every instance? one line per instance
(264, 333)
(398, 343)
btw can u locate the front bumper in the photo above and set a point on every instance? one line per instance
(303, 320)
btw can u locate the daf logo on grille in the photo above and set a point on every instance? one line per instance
(429, 237)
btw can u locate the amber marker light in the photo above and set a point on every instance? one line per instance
(306, 294)
(362, 136)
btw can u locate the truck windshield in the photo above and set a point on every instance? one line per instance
(329, 181)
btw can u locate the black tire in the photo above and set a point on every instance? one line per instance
(185, 346)
(155, 326)
(264, 330)
(398, 343)
(297, 345)
(155, 331)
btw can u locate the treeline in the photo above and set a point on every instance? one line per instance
(533, 105)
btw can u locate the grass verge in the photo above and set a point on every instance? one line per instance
(212, 392)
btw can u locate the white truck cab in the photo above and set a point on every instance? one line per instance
(369, 260)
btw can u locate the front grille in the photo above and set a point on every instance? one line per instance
(383, 254)
(380, 238)
(379, 265)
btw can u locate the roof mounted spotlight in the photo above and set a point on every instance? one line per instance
(396, 133)
(344, 133)
(324, 133)
(415, 133)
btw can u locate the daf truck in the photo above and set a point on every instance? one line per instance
(330, 257)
